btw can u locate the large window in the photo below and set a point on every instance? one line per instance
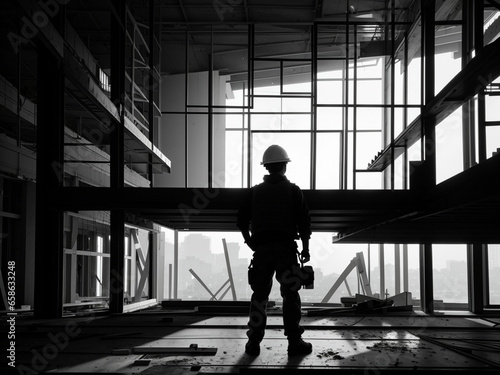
(329, 137)
(449, 274)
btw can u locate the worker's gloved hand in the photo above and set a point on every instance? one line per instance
(305, 256)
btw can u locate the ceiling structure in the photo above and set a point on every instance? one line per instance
(464, 208)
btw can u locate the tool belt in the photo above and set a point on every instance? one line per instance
(304, 273)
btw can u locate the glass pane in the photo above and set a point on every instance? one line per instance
(237, 100)
(297, 77)
(492, 140)
(367, 146)
(414, 271)
(494, 273)
(296, 122)
(415, 80)
(447, 59)
(296, 105)
(272, 86)
(234, 121)
(398, 173)
(330, 69)
(235, 158)
(399, 124)
(449, 158)
(368, 180)
(330, 92)
(492, 107)
(370, 91)
(197, 150)
(267, 105)
(271, 121)
(298, 147)
(328, 161)
(491, 16)
(267, 77)
(370, 68)
(449, 270)
(399, 83)
(327, 44)
(369, 118)
(329, 118)
(412, 114)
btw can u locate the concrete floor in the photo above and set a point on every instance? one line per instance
(161, 342)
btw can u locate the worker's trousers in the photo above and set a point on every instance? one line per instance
(281, 258)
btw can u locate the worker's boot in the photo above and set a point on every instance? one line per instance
(252, 347)
(297, 346)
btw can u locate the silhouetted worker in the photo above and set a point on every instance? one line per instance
(276, 214)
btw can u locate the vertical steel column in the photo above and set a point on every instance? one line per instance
(393, 96)
(486, 276)
(152, 266)
(397, 268)
(210, 108)
(250, 67)
(176, 261)
(314, 119)
(481, 104)
(186, 116)
(405, 116)
(19, 72)
(429, 147)
(429, 124)
(477, 276)
(381, 261)
(50, 175)
(345, 153)
(117, 139)
(151, 86)
(170, 281)
(117, 261)
(426, 279)
(354, 109)
(468, 109)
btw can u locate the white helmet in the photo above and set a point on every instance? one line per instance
(275, 154)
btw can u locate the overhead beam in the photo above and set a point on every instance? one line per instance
(477, 74)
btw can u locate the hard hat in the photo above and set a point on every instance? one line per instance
(275, 154)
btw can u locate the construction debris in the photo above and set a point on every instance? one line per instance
(329, 354)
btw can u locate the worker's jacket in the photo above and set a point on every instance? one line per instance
(275, 210)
